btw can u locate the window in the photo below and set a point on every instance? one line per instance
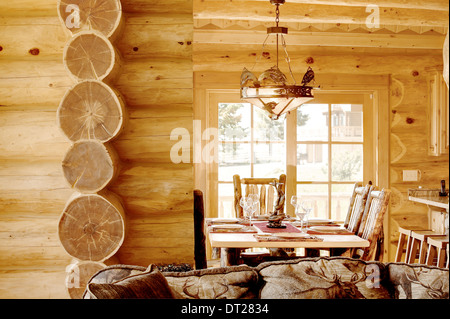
(250, 144)
(328, 149)
(330, 153)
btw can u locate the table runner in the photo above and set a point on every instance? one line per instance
(274, 238)
(289, 228)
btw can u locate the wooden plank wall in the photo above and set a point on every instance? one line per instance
(408, 69)
(157, 86)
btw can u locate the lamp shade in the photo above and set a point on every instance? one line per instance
(277, 100)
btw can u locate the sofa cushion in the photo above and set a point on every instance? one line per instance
(112, 274)
(215, 283)
(414, 281)
(150, 284)
(323, 278)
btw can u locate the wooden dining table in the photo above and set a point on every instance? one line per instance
(232, 242)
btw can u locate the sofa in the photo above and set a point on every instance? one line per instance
(303, 278)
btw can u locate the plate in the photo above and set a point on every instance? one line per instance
(228, 226)
(290, 235)
(317, 221)
(225, 220)
(327, 228)
(261, 217)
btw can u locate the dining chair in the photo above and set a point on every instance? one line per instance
(371, 227)
(267, 199)
(261, 186)
(357, 204)
(199, 231)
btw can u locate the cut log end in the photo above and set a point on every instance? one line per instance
(100, 15)
(89, 166)
(92, 227)
(78, 275)
(91, 110)
(90, 56)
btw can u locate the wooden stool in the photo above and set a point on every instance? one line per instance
(437, 245)
(405, 238)
(420, 237)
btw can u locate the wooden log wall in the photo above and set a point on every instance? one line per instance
(156, 85)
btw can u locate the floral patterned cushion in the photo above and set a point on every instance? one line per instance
(324, 278)
(418, 281)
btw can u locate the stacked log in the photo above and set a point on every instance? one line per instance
(92, 113)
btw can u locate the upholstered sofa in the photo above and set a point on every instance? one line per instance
(305, 278)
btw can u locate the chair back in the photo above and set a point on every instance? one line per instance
(371, 227)
(261, 186)
(357, 205)
(199, 231)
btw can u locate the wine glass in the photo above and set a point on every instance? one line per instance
(247, 204)
(307, 206)
(255, 203)
(295, 200)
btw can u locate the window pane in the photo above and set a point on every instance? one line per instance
(226, 200)
(340, 200)
(312, 122)
(346, 122)
(265, 129)
(347, 162)
(234, 121)
(234, 158)
(312, 162)
(270, 159)
(318, 193)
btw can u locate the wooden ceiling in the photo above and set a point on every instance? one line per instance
(412, 26)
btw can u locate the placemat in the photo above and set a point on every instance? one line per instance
(334, 232)
(289, 228)
(243, 230)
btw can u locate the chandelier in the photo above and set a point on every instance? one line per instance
(271, 91)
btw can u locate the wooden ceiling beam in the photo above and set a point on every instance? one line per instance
(441, 5)
(344, 39)
(314, 13)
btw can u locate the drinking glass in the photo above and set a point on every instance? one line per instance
(307, 206)
(248, 204)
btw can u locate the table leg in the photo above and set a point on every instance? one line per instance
(312, 252)
(229, 256)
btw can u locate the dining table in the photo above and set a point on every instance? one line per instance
(233, 235)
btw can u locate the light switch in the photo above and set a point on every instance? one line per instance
(410, 175)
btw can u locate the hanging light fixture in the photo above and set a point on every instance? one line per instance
(271, 91)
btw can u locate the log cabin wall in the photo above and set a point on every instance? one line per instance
(156, 84)
(407, 47)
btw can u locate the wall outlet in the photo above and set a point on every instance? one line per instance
(410, 175)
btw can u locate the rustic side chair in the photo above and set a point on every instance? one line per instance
(371, 227)
(260, 186)
(357, 205)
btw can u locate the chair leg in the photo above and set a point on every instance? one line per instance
(400, 246)
(413, 251)
(423, 251)
(441, 257)
(430, 256)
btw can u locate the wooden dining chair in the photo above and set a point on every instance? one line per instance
(261, 186)
(267, 199)
(357, 204)
(371, 227)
